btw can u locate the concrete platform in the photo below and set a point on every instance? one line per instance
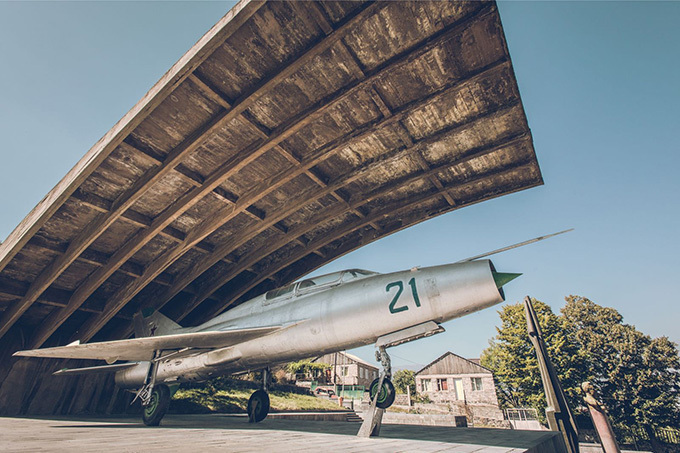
(191, 433)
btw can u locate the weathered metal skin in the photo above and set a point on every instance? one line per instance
(333, 317)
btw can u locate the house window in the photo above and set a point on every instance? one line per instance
(425, 384)
(442, 384)
(361, 372)
(344, 370)
(477, 384)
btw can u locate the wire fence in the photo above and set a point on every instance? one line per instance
(521, 413)
(636, 434)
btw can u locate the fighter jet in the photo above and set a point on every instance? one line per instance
(329, 313)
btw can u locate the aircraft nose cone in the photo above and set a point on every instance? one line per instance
(501, 278)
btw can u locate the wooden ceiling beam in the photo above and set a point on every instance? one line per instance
(315, 14)
(319, 181)
(133, 217)
(219, 97)
(190, 176)
(52, 297)
(355, 68)
(418, 155)
(408, 141)
(216, 96)
(96, 258)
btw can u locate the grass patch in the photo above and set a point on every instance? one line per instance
(208, 400)
(284, 401)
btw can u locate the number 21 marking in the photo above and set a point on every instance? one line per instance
(400, 289)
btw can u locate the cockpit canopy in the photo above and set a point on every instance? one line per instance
(319, 283)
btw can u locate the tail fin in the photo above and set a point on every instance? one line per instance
(149, 323)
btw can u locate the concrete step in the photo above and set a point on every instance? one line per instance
(353, 417)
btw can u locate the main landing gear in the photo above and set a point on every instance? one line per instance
(157, 405)
(155, 398)
(258, 404)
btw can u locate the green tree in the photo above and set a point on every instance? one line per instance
(403, 379)
(513, 361)
(308, 368)
(638, 376)
(590, 326)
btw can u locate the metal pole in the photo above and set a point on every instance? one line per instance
(600, 420)
(335, 373)
(557, 411)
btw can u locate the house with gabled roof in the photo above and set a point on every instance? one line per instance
(465, 386)
(348, 369)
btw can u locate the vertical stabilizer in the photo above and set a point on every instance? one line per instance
(154, 323)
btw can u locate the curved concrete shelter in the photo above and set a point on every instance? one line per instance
(290, 134)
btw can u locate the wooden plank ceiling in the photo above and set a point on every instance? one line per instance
(290, 134)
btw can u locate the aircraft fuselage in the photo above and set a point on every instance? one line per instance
(332, 316)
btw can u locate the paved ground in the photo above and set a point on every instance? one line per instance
(192, 433)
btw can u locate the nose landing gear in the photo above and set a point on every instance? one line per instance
(385, 394)
(381, 390)
(382, 395)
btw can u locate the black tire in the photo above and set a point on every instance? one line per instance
(386, 395)
(153, 413)
(258, 406)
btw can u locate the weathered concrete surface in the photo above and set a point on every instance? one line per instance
(438, 420)
(232, 433)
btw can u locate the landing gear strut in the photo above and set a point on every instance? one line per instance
(382, 396)
(258, 404)
(382, 389)
(155, 398)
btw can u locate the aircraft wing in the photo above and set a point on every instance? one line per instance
(142, 349)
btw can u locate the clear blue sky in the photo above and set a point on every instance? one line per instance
(600, 85)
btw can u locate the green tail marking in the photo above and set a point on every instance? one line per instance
(501, 278)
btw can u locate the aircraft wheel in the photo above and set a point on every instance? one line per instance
(153, 412)
(386, 394)
(258, 406)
